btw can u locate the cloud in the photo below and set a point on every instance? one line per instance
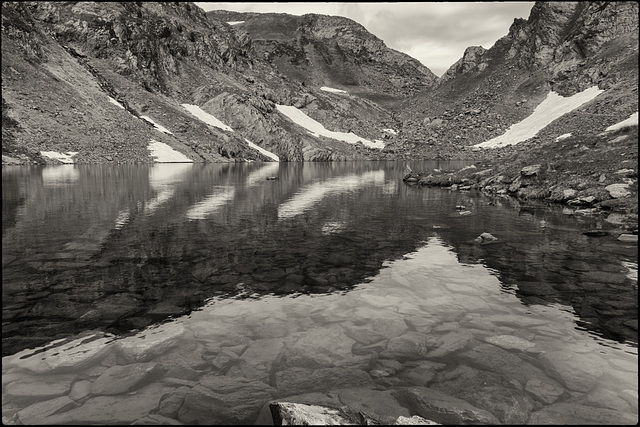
(435, 33)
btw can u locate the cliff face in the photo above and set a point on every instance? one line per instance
(559, 37)
(568, 38)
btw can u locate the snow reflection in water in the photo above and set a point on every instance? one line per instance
(60, 176)
(311, 194)
(419, 311)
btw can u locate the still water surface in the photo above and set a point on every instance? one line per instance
(203, 283)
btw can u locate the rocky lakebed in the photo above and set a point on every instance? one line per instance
(390, 350)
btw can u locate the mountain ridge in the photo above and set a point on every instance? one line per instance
(155, 59)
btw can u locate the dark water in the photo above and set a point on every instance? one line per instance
(118, 250)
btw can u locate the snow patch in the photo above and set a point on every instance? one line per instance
(563, 136)
(205, 117)
(66, 157)
(552, 108)
(235, 22)
(391, 131)
(116, 103)
(317, 129)
(155, 125)
(330, 89)
(163, 153)
(631, 121)
(263, 151)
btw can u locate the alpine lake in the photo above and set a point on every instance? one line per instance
(199, 293)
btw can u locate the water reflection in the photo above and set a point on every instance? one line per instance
(425, 319)
(163, 178)
(211, 203)
(60, 175)
(120, 249)
(311, 194)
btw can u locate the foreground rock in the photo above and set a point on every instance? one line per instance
(285, 413)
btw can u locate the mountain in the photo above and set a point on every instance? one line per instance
(104, 82)
(93, 82)
(62, 63)
(551, 108)
(564, 47)
(333, 51)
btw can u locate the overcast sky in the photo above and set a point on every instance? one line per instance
(435, 33)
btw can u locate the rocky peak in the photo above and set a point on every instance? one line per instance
(473, 58)
(561, 31)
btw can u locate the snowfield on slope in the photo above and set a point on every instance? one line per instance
(262, 150)
(156, 125)
(317, 129)
(66, 157)
(213, 121)
(206, 117)
(163, 153)
(330, 89)
(552, 108)
(631, 121)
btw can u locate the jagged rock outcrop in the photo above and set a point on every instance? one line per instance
(152, 41)
(565, 36)
(472, 59)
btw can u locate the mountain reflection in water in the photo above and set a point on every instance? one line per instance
(119, 248)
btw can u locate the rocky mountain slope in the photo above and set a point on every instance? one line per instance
(564, 47)
(100, 79)
(106, 80)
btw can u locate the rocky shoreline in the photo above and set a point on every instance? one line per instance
(585, 173)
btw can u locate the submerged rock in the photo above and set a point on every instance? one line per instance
(442, 408)
(485, 238)
(121, 379)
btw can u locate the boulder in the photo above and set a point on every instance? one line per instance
(285, 413)
(628, 238)
(529, 171)
(485, 238)
(290, 413)
(415, 420)
(618, 191)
